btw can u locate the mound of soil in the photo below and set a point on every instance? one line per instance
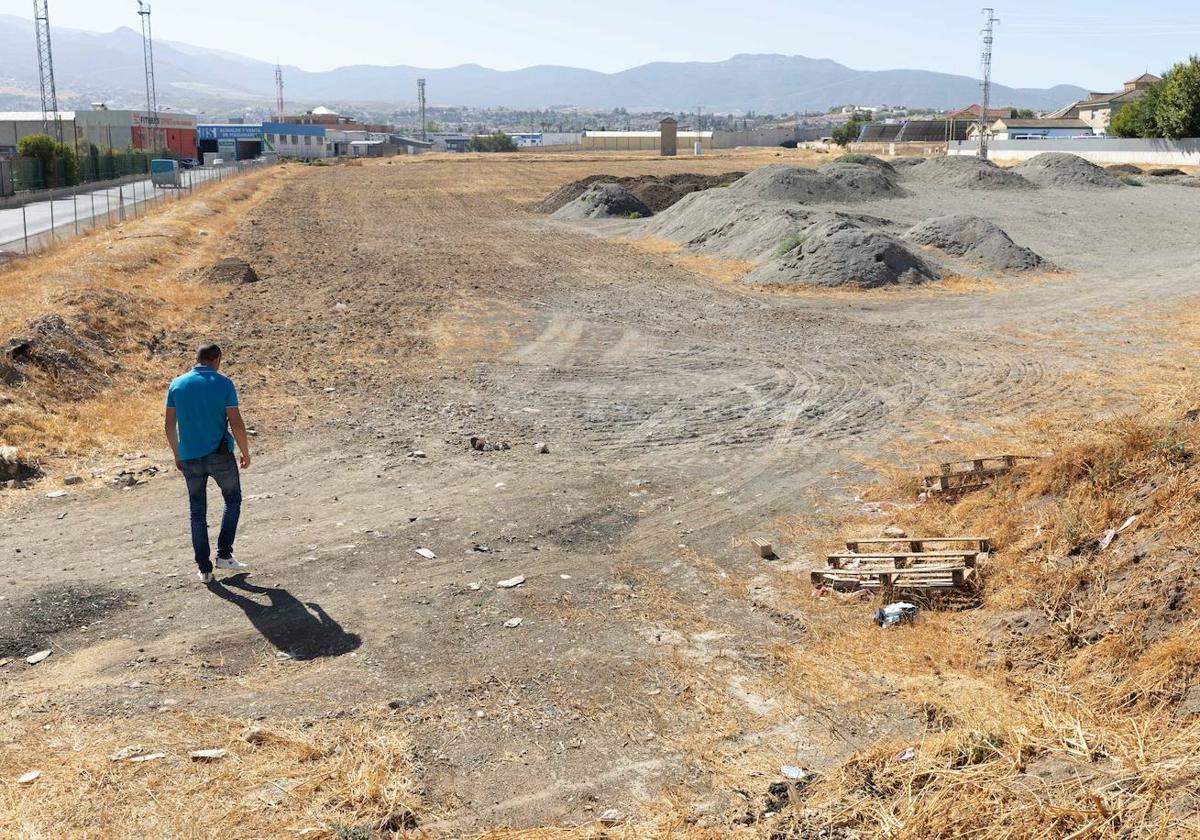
(604, 201)
(977, 240)
(903, 163)
(1066, 171)
(717, 224)
(866, 160)
(1167, 172)
(1123, 169)
(838, 252)
(796, 184)
(231, 270)
(863, 181)
(656, 193)
(968, 172)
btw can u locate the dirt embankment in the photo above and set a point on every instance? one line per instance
(91, 330)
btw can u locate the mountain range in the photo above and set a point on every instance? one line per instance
(107, 67)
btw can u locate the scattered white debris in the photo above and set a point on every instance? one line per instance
(791, 771)
(473, 586)
(38, 657)
(416, 453)
(513, 622)
(138, 759)
(907, 754)
(612, 817)
(426, 553)
(207, 755)
(56, 494)
(509, 583)
(565, 577)
(126, 752)
(894, 531)
(29, 778)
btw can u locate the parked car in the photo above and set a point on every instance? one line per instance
(189, 163)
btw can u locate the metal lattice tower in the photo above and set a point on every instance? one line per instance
(148, 57)
(279, 92)
(51, 124)
(985, 67)
(421, 106)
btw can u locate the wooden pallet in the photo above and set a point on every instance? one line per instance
(961, 476)
(922, 579)
(913, 568)
(919, 544)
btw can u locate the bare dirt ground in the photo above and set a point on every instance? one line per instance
(408, 305)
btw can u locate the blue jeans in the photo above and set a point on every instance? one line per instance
(222, 468)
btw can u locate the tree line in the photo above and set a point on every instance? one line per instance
(1169, 108)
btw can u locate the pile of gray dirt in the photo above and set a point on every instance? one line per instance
(791, 184)
(1124, 169)
(863, 181)
(977, 240)
(717, 224)
(657, 193)
(839, 252)
(865, 160)
(900, 164)
(1066, 171)
(604, 201)
(967, 172)
(1166, 172)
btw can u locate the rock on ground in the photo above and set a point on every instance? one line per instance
(604, 201)
(839, 252)
(976, 239)
(1067, 171)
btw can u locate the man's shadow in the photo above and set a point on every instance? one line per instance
(286, 622)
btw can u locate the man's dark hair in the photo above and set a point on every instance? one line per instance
(208, 353)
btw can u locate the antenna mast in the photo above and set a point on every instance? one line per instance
(279, 91)
(151, 93)
(985, 66)
(421, 106)
(41, 24)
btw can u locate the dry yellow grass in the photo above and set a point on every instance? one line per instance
(319, 779)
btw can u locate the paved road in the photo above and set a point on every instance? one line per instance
(41, 216)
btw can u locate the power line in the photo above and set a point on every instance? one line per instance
(985, 66)
(41, 25)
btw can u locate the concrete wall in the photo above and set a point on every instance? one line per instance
(1102, 150)
(752, 137)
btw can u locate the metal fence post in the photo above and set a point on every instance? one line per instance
(25, 230)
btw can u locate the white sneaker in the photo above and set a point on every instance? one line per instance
(205, 577)
(230, 563)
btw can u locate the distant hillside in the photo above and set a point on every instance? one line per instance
(92, 66)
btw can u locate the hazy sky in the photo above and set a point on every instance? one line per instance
(1096, 44)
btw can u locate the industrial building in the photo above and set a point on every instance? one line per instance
(230, 141)
(103, 128)
(307, 142)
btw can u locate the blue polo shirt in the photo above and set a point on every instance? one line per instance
(200, 398)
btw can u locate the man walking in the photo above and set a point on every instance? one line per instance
(202, 409)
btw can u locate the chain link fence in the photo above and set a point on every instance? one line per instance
(63, 214)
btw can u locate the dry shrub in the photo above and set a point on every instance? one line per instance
(1067, 693)
(321, 779)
